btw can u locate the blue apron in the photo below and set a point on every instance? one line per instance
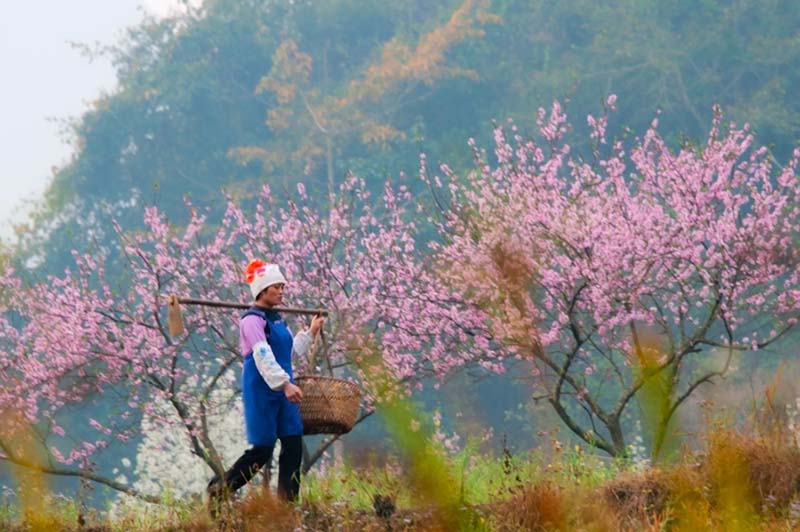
(268, 414)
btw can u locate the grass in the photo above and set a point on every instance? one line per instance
(737, 482)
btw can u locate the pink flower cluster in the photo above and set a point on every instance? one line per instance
(539, 254)
(698, 245)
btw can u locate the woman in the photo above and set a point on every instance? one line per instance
(268, 391)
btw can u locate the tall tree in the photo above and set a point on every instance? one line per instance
(85, 335)
(318, 111)
(621, 272)
(388, 80)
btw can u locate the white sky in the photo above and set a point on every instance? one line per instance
(43, 78)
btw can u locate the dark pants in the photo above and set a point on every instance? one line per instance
(253, 459)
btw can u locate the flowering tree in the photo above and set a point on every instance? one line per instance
(101, 335)
(608, 275)
(163, 464)
(618, 272)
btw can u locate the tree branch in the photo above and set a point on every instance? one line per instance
(79, 473)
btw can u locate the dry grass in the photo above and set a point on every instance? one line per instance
(535, 508)
(773, 468)
(738, 482)
(637, 498)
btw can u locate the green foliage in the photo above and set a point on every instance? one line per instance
(8, 509)
(354, 487)
(52, 512)
(388, 80)
(737, 482)
(132, 514)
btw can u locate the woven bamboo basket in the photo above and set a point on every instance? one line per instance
(329, 405)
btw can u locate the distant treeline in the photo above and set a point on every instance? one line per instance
(245, 92)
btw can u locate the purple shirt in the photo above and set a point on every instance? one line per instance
(251, 331)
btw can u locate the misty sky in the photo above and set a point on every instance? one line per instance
(44, 78)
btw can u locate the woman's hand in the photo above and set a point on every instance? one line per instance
(293, 392)
(316, 325)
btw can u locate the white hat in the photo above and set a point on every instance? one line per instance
(260, 275)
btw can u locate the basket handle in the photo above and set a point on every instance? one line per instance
(320, 344)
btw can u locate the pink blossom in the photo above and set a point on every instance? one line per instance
(688, 243)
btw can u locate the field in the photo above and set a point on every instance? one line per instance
(737, 481)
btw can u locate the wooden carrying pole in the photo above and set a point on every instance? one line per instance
(175, 318)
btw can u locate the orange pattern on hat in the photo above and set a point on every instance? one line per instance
(252, 268)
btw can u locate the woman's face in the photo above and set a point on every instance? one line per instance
(272, 295)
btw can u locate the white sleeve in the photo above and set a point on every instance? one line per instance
(302, 343)
(268, 367)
